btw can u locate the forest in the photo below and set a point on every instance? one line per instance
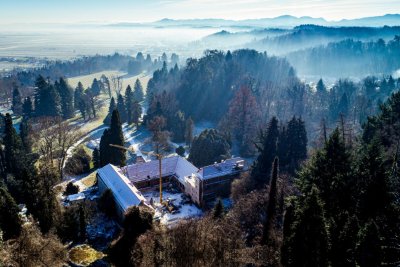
(312, 112)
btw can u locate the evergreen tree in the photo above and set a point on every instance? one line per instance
(330, 170)
(54, 102)
(10, 222)
(272, 203)
(78, 95)
(95, 88)
(369, 248)
(138, 93)
(13, 146)
(288, 222)
(189, 129)
(136, 112)
(136, 222)
(104, 148)
(96, 158)
(129, 103)
(40, 96)
(66, 96)
(343, 240)
(180, 151)
(118, 157)
(308, 243)
(17, 102)
(209, 147)
(25, 131)
(121, 108)
(114, 135)
(27, 107)
(373, 183)
(47, 99)
(111, 108)
(218, 211)
(261, 170)
(296, 144)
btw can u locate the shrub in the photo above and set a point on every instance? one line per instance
(79, 163)
(71, 189)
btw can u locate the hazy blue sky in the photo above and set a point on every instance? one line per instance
(32, 11)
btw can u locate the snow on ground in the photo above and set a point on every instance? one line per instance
(186, 209)
(77, 143)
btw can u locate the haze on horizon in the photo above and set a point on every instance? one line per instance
(104, 11)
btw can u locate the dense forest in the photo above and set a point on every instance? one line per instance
(244, 89)
(348, 57)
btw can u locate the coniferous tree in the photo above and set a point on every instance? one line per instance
(218, 211)
(136, 112)
(121, 108)
(296, 144)
(25, 132)
(66, 96)
(129, 104)
(268, 149)
(272, 203)
(78, 95)
(288, 222)
(189, 129)
(95, 88)
(343, 241)
(17, 102)
(47, 99)
(136, 222)
(369, 247)
(53, 103)
(308, 243)
(112, 107)
(40, 96)
(180, 150)
(13, 146)
(104, 148)
(330, 170)
(209, 147)
(113, 135)
(27, 107)
(96, 158)
(118, 157)
(10, 222)
(138, 93)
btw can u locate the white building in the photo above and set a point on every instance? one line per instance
(202, 185)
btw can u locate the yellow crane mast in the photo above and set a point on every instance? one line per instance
(159, 157)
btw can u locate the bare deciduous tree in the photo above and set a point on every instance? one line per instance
(53, 138)
(116, 82)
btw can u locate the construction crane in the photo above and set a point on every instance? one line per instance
(159, 157)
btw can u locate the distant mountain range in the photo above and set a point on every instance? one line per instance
(285, 21)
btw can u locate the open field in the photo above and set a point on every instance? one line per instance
(87, 80)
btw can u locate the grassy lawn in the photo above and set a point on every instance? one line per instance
(87, 80)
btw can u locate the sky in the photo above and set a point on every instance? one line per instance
(100, 11)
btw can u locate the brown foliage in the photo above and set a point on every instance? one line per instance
(32, 249)
(202, 242)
